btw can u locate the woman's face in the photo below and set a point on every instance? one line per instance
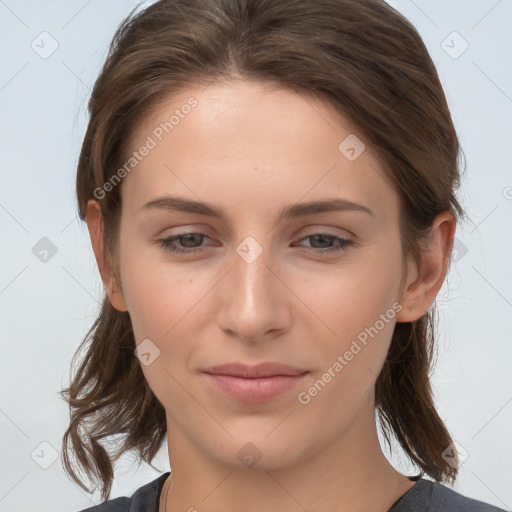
(269, 279)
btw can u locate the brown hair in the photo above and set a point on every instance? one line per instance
(360, 56)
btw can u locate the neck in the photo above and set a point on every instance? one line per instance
(350, 474)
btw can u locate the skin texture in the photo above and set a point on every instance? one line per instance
(251, 149)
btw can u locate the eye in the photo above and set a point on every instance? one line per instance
(189, 238)
(190, 243)
(343, 243)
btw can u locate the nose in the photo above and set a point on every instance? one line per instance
(255, 303)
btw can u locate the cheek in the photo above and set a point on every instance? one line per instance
(157, 293)
(352, 361)
(161, 302)
(359, 305)
(350, 298)
(165, 307)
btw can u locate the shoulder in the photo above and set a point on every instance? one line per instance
(144, 499)
(428, 496)
(115, 505)
(446, 499)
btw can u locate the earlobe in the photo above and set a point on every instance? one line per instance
(95, 226)
(424, 284)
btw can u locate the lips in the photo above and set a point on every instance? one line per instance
(265, 369)
(254, 383)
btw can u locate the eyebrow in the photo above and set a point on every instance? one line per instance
(297, 210)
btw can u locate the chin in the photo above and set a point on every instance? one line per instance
(259, 452)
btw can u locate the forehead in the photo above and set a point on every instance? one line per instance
(255, 139)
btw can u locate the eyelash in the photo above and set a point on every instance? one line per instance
(168, 244)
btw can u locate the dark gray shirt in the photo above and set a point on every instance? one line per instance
(423, 496)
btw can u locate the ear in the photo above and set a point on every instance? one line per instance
(94, 220)
(423, 284)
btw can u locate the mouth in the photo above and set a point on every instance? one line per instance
(265, 369)
(254, 384)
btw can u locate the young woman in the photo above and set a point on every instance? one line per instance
(269, 188)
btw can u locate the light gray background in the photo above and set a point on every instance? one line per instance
(46, 307)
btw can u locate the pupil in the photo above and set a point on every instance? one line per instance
(320, 237)
(189, 238)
